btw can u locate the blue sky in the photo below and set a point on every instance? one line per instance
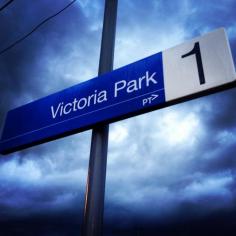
(164, 168)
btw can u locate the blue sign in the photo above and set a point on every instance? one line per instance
(186, 71)
(113, 96)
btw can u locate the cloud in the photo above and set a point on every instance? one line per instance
(173, 163)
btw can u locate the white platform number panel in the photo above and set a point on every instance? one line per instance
(197, 65)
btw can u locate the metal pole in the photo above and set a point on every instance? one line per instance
(95, 190)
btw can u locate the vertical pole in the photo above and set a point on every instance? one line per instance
(95, 190)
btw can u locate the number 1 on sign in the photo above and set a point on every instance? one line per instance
(197, 52)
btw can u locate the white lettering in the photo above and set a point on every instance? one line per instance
(82, 100)
(123, 82)
(150, 79)
(74, 104)
(54, 114)
(122, 86)
(102, 96)
(69, 110)
(132, 86)
(61, 111)
(78, 104)
(136, 84)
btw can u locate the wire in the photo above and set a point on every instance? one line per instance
(35, 28)
(6, 4)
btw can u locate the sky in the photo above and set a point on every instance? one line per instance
(169, 172)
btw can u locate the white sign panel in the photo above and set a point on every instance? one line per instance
(197, 65)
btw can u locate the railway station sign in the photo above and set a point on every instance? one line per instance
(198, 67)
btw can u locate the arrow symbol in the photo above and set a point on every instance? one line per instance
(149, 100)
(154, 96)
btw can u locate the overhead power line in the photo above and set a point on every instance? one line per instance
(35, 28)
(6, 4)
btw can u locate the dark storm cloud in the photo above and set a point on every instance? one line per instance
(48, 60)
(163, 167)
(207, 15)
(220, 112)
(52, 58)
(45, 62)
(216, 150)
(233, 47)
(31, 187)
